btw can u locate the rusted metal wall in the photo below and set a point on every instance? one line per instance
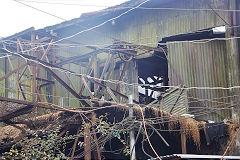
(201, 65)
(175, 101)
(150, 26)
(193, 62)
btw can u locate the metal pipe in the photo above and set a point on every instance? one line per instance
(194, 156)
(131, 134)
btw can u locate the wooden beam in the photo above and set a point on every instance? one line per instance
(87, 142)
(183, 143)
(97, 153)
(125, 67)
(20, 45)
(111, 69)
(112, 94)
(45, 52)
(65, 85)
(104, 86)
(86, 86)
(95, 72)
(41, 105)
(42, 85)
(23, 102)
(19, 78)
(75, 142)
(106, 66)
(44, 80)
(89, 71)
(13, 71)
(140, 46)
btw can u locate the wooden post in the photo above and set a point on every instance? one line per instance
(95, 72)
(97, 152)
(75, 143)
(183, 143)
(87, 142)
(34, 99)
(53, 85)
(89, 71)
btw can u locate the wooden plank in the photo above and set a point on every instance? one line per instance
(125, 67)
(20, 45)
(21, 90)
(112, 94)
(95, 72)
(87, 142)
(44, 80)
(45, 52)
(71, 83)
(13, 71)
(65, 85)
(111, 69)
(23, 102)
(104, 86)
(183, 143)
(106, 66)
(89, 71)
(75, 142)
(19, 78)
(41, 105)
(86, 86)
(53, 85)
(97, 153)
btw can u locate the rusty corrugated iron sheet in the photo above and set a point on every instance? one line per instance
(175, 101)
(201, 65)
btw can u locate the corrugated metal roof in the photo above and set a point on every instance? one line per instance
(175, 101)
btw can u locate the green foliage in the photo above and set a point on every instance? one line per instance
(39, 145)
(49, 145)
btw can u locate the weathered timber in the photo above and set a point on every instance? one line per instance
(89, 71)
(13, 71)
(87, 142)
(140, 46)
(65, 85)
(44, 80)
(104, 86)
(19, 78)
(41, 105)
(86, 86)
(45, 52)
(125, 67)
(12, 110)
(111, 94)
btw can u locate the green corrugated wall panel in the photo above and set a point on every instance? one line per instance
(2, 73)
(176, 99)
(148, 27)
(201, 65)
(73, 102)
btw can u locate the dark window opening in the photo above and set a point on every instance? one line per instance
(152, 71)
